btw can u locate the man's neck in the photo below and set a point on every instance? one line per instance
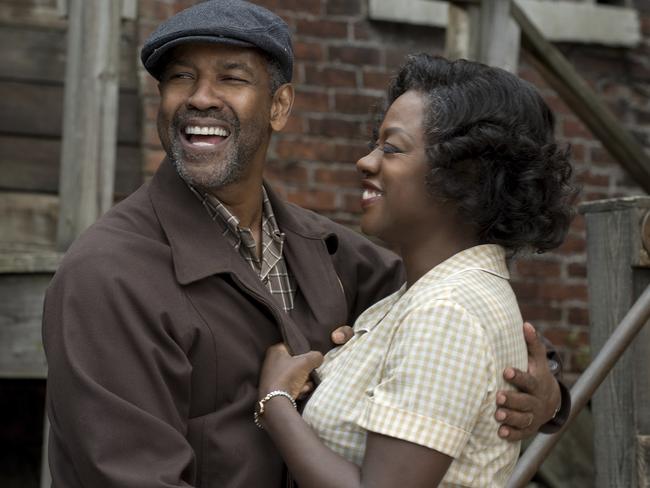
(244, 201)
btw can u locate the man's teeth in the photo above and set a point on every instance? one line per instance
(206, 131)
(371, 194)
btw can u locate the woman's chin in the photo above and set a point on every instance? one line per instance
(371, 229)
(366, 228)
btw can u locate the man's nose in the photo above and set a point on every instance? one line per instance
(206, 95)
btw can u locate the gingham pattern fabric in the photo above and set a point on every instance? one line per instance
(424, 366)
(271, 268)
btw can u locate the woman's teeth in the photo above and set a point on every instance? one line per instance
(371, 194)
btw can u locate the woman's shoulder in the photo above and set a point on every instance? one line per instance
(487, 299)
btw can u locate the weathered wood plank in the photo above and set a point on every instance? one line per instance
(36, 109)
(21, 304)
(499, 35)
(644, 460)
(33, 53)
(31, 13)
(90, 107)
(32, 164)
(483, 31)
(28, 221)
(614, 285)
(612, 403)
(462, 35)
(30, 262)
(641, 368)
(130, 9)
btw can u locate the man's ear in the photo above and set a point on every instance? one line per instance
(281, 106)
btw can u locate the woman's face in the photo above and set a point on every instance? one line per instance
(396, 204)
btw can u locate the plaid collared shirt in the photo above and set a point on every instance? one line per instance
(424, 366)
(271, 268)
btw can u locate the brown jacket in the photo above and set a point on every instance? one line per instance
(155, 330)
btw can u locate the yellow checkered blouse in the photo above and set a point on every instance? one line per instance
(424, 366)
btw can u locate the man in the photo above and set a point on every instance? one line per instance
(158, 319)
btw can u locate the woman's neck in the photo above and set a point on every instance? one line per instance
(423, 254)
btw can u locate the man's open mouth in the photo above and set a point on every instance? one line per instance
(204, 136)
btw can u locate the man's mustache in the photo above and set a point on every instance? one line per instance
(218, 115)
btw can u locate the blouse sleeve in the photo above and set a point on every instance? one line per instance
(435, 379)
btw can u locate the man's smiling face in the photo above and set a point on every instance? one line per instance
(214, 116)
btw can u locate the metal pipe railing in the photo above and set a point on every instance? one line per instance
(585, 387)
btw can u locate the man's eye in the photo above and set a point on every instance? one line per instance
(234, 79)
(181, 75)
(372, 145)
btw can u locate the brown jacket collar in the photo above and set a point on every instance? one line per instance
(197, 249)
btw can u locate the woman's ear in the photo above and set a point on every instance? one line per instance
(281, 106)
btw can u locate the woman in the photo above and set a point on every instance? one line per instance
(463, 172)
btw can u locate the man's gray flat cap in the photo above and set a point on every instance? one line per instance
(234, 22)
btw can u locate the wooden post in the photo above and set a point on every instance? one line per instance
(483, 31)
(90, 116)
(500, 35)
(90, 110)
(618, 272)
(462, 35)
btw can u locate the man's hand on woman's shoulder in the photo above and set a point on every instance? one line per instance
(342, 334)
(537, 398)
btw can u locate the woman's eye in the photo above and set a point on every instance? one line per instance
(386, 148)
(390, 149)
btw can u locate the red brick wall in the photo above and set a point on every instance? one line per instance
(343, 62)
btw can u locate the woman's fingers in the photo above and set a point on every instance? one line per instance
(307, 388)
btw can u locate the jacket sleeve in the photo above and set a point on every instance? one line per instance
(118, 382)
(561, 416)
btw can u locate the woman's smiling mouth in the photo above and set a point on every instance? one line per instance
(370, 195)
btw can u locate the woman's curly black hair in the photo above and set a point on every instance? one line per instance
(491, 148)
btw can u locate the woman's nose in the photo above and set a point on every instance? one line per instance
(205, 96)
(369, 164)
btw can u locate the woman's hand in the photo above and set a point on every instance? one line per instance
(281, 371)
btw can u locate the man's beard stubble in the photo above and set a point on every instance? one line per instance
(229, 168)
